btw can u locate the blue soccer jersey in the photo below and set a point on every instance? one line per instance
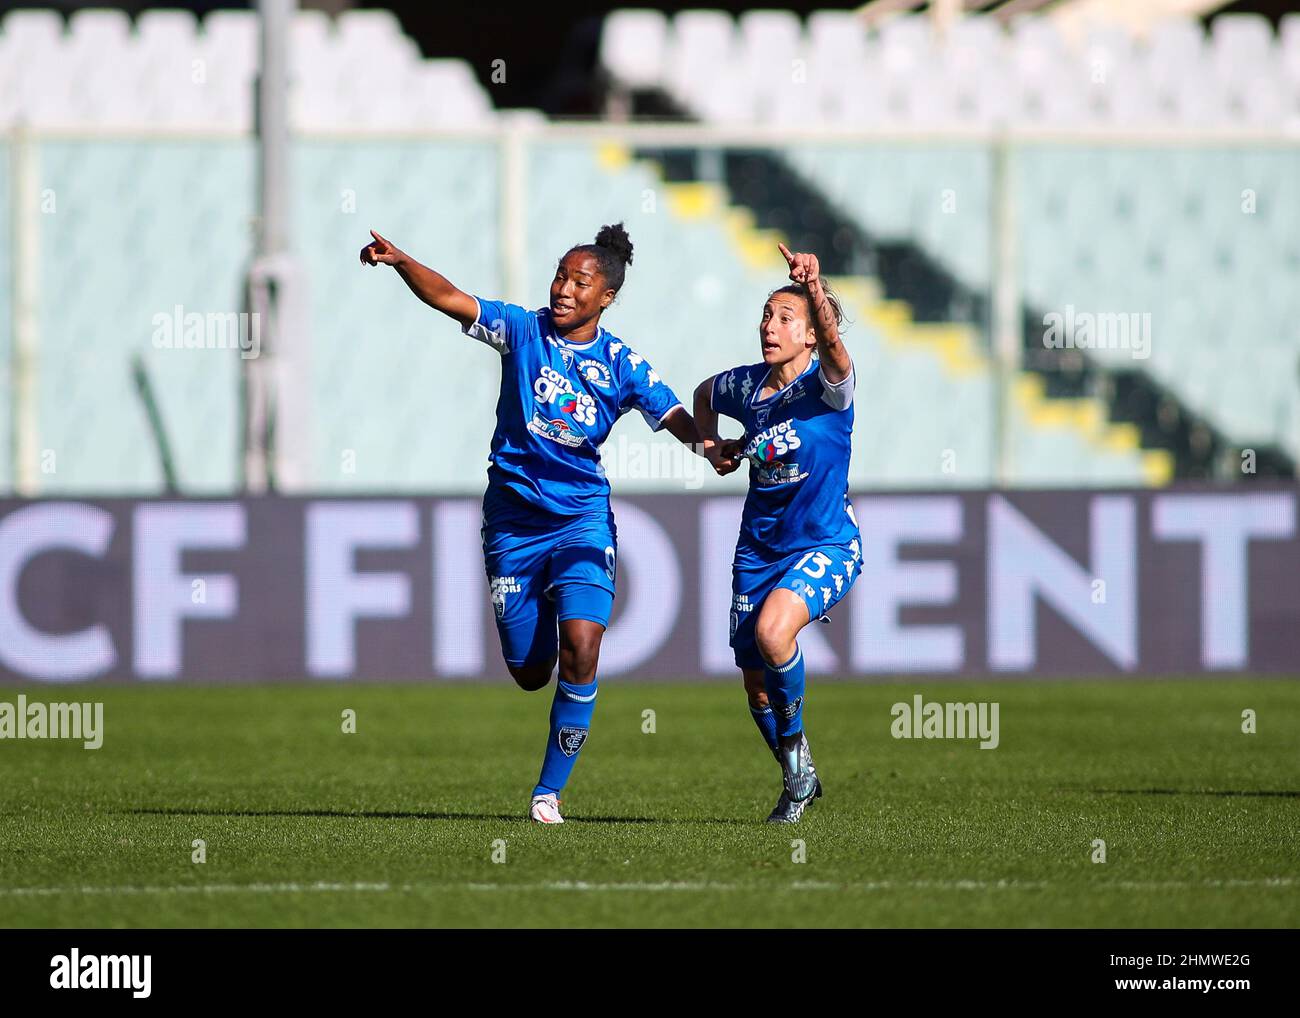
(797, 441)
(557, 404)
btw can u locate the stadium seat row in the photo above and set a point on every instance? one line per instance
(1203, 240)
(767, 67)
(170, 70)
(401, 400)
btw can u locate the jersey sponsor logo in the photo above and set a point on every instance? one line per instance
(768, 450)
(595, 372)
(557, 430)
(741, 603)
(746, 387)
(728, 384)
(551, 387)
(571, 739)
(772, 443)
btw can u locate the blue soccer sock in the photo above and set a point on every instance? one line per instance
(570, 722)
(785, 685)
(765, 718)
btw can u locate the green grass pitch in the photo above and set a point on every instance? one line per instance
(397, 825)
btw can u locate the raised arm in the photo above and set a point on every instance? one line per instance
(431, 287)
(835, 361)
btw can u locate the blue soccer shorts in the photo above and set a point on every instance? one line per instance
(545, 570)
(821, 576)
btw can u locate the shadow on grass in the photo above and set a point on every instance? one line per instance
(412, 815)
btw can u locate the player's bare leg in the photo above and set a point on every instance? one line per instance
(783, 615)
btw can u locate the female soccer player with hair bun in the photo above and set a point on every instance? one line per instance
(799, 547)
(549, 541)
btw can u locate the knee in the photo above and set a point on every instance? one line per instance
(532, 677)
(578, 659)
(774, 639)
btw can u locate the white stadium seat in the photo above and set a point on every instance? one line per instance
(633, 47)
(735, 70)
(356, 72)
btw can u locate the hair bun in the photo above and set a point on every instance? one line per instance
(615, 238)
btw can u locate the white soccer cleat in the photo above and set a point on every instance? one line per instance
(545, 809)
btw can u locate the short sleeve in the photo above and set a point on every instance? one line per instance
(726, 398)
(501, 326)
(837, 395)
(644, 390)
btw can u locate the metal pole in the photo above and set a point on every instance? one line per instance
(278, 425)
(1007, 341)
(273, 124)
(25, 211)
(518, 137)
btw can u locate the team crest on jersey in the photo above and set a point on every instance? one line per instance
(595, 372)
(571, 740)
(566, 354)
(500, 587)
(793, 393)
(761, 416)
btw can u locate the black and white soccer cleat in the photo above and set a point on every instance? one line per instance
(802, 785)
(787, 811)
